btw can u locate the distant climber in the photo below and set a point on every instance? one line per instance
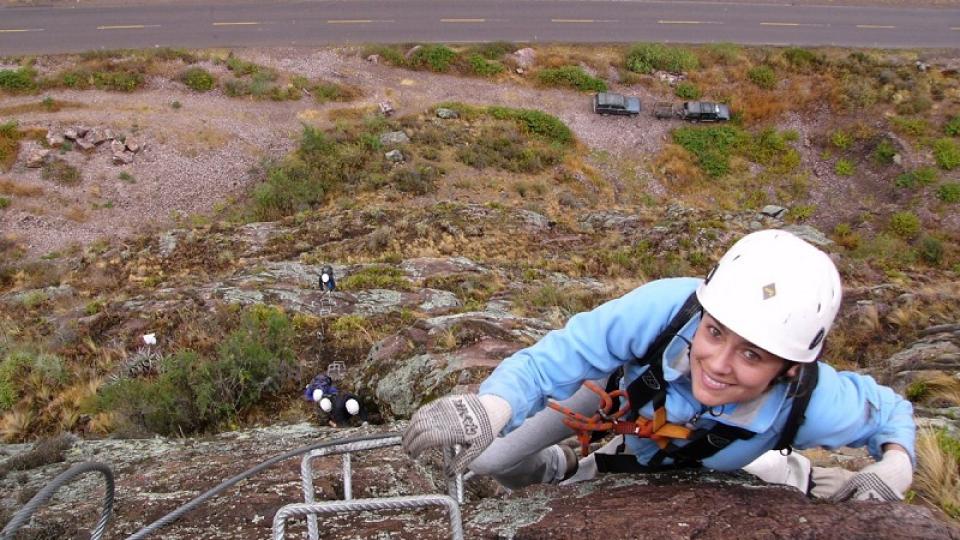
(327, 281)
(340, 407)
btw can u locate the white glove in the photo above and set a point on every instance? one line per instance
(467, 420)
(886, 480)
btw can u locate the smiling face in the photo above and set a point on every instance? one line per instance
(725, 368)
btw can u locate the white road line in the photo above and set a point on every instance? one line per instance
(875, 26)
(463, 20)
(789, 24)
(236, 23)
(128, 26)
(687, 22)
(349, 21)
(18, 30)
(571, 21)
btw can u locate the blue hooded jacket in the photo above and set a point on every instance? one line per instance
(846, 409)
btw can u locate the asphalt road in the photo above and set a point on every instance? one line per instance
(311, 23)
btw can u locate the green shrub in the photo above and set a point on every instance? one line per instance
(4, 202)
(416, 180)
(841, 139)
(571, 77)
(686, 90)
(537, 122)
(60, 172)
(771, 148)
(375, 277)
(508, 149)
(801, 59)
(649, 57)
(9, 144)
(494, 50)
(435, 57)
(712, 146)
(917, 127)
(905, 224)
(330, 91)
(194, 394)
(947, 153)
(198, 79)
(118, 81)
(952, 127)
(243, 68)
(20, 365)
(725, 54)
(930, 250)
(390, 54)
(884, 152)
(844, 167)
(923, 176)
(18, 80)
(949, 192)
(484, 67)
(915, 105)
(763, 76)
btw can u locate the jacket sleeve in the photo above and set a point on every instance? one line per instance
(849, 409)
(591, 345)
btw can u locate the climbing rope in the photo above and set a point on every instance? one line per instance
(44, 495)
(610, 419)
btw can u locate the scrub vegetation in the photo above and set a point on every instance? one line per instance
(860, 145)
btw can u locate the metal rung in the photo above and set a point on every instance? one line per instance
(389, 503)
(454, 486)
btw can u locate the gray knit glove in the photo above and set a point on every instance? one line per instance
(885, 480)
(451, 420)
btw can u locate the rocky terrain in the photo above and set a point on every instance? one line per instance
(438, 283)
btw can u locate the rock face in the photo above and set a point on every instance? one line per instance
(156, 476)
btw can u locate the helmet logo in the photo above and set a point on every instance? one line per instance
(817, 339)
(769, 291)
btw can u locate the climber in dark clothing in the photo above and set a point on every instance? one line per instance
(340, 406)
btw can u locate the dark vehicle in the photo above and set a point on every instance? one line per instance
(704, 111)
(610, 103)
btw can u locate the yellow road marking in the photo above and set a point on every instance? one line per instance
(463, 20)
(235, 23)
(874, 26)
(571, 20)
(349, 21)
(127, 26)
(13, 30)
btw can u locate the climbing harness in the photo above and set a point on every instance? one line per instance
(651, 387)
(309, 508)
(605, 421)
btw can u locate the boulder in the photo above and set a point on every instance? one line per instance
(71, 134)
(386, 108)
(122, 158)
(98, 135)
(117, 146)
(809, 234)
(434, 356)
(55, 139)
(374, 58)
(37, 158)
(525, 58)
(133, 145)
(394, 138)
(446, 114)
(85, 145)
(394, 155)
(774, 211)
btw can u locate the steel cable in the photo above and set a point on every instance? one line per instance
(47, 492)
(200, 499)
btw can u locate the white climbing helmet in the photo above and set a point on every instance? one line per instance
(326, 405)
(776, 291)
(353, 406)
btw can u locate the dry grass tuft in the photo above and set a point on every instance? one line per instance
(677, 166)
(15, 425)
(937, 479)
(9, 187)
(40, 106)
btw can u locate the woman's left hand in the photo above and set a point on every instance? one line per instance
(886, 480)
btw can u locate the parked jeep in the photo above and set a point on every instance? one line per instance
(610, 103)
(704, 111)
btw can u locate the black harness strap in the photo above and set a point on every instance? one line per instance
(704, 443)
(806, 382)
